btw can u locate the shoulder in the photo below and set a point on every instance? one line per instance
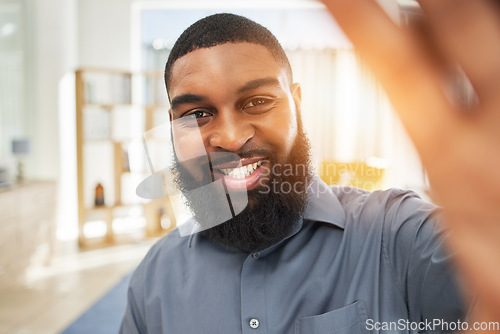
(352, 198)
(355, 208)
(167, 246)
(166, 253)
(403, 225)
(388, 205)
(389, 215)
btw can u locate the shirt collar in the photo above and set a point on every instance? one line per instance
(323, 204)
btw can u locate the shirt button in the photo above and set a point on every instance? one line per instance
(254, 323)
(256, 255)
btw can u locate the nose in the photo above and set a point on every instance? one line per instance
(230, 131)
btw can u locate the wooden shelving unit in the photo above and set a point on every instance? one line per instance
(108, 118)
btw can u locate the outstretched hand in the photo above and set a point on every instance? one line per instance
(459, 148)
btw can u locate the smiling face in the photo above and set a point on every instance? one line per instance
(234, 118)
(243, 103)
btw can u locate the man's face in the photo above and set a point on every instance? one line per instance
(244, 104)
(234, 102)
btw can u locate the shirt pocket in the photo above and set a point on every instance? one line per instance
(350, 319)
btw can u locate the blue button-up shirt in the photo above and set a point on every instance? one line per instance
(358, 262)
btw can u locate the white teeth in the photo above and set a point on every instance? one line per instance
(241, 172)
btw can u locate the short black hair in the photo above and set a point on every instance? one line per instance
(225, 28)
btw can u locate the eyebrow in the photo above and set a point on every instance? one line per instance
(186, 98)
(258, 83)
(253, 84)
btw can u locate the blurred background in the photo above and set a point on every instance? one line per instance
(81, 83)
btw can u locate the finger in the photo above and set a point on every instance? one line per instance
(409, 75)
(469, 32)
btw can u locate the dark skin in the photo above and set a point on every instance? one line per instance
(243, 101)
(459, 150)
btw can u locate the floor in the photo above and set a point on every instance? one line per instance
(47, 298)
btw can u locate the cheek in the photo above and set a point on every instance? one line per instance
(192, 157)
(188, 144)
(281, 132)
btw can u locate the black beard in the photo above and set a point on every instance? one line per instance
(273, 210)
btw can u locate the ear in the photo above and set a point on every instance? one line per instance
(297, 94)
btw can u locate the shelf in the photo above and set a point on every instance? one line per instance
(112, 207)
(109, 120)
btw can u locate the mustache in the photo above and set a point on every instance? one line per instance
(226, 158)
(196, 172)
(233, 159)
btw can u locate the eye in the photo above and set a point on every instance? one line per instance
(199, 114)
(259, 101)
(196, 117)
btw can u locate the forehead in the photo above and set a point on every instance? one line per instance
(228, 65)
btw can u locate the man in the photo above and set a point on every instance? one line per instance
(315, 260)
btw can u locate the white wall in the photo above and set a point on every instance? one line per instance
(69, 34)
(54, 53)
(104, 31)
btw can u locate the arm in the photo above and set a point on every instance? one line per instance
(463, 168)
(131, 320)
